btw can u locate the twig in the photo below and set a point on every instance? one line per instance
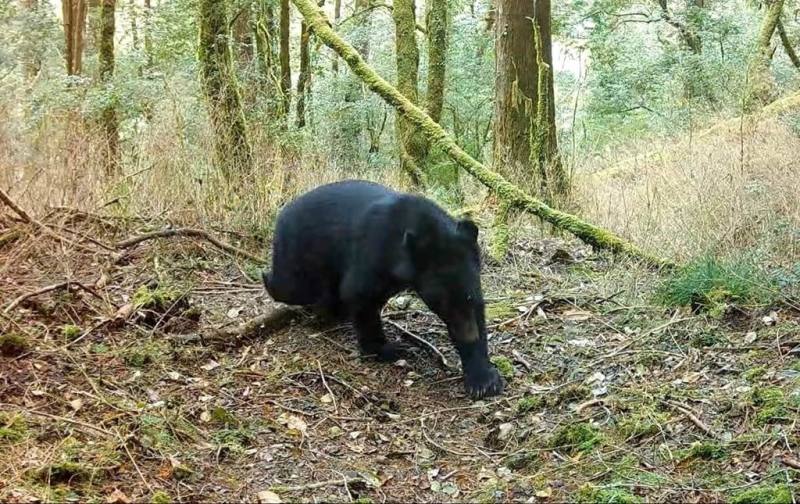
(194, 233)
(50, 288)
(325, 383)
(692, 417)
(136, 466)
(5, 198)
(420, 340)
(437, 445)
(521, 359)
(68, 420)
(591, 402)
(273, 320)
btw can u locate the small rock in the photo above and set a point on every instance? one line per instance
(504, 431)
(267, 497)
(750, 337)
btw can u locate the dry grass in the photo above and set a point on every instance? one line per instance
(725, 192)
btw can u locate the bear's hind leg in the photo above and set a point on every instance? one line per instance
(367, 323)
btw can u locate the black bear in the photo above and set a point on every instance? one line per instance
(347, 247)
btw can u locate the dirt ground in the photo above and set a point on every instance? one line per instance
(115, 388)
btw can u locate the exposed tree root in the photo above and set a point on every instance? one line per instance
(275, 319)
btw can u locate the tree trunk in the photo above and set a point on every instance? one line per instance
(266, 37)
(787, 45)
(553, 183)
(337, 14)
(303, 76)
(513, 195)
(148, 39)
(411, 143)
(134, 15)
(74, 14)
(286, 70)
(760, 77)
(242, 34)
(106, 69)
(32, 60)
(515, 90)
(437, 27)
(221, 89)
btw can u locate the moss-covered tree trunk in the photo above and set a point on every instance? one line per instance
(437, 27)
(74, 16)
(303, 76)
(286, 70)
(787, 45)
(515, 90)
(411, 143)
(265, 33)
(552, 178)
(506, 191)
(760, 77)
(106, 67)
(31, 52)
(221, 88)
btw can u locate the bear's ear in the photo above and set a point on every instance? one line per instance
(468, 229)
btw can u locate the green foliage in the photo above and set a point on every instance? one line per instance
(706, 451)
(13, 428)
(504, 366)
(528, 403)
(771, 405)
(591, 494)
(159, 298)
(160, 497)
(764, 494)
(70, 332)
(576, 437)
(711, 284)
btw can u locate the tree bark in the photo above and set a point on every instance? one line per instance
(106, 69)
(286, 70)
(148, 39)
(303, 76)
(553, 182)
(74, 14)
(761, 80)
(508, 192)
(265, 33)
(516, 84)
(221, 89)
(411, 143)
(337, 14)
(437, 28)
(787, 45)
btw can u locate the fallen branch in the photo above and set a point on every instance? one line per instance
(50, 288)
(194, 233)
(273, 320)
(692, 417)
(589, 233)
(5, 198)
(424, 342)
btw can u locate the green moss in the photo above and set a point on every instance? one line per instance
(500, 310)
(764, 494)
(707, 339)
(234, 440)
(12, 345)
(65, 471)
(504, 366)
(706, 451)
(568, 393)
(13, 428)
(642, 424)
(528, 403)
(771, 405)
(753, 374)
(160, 497)
(576, 437)
(154, 432)
(160, 298)
(605, 495)
(70, 332)
(145, 354)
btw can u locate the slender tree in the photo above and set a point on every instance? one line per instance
(74, 15)
(337, 14)
(411, 143)
(787, 45)
(286, 70)
(265, 33)
(148, 38)
(32, 59)
(304, 75)
(221, 89)
(106, 69)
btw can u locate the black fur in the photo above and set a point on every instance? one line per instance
(347, 247)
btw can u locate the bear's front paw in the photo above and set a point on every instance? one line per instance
(385, 352)
(483, 382)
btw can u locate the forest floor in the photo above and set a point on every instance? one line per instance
(112, 390)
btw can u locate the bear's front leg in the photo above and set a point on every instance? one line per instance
(369, 330)
(481, 379)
